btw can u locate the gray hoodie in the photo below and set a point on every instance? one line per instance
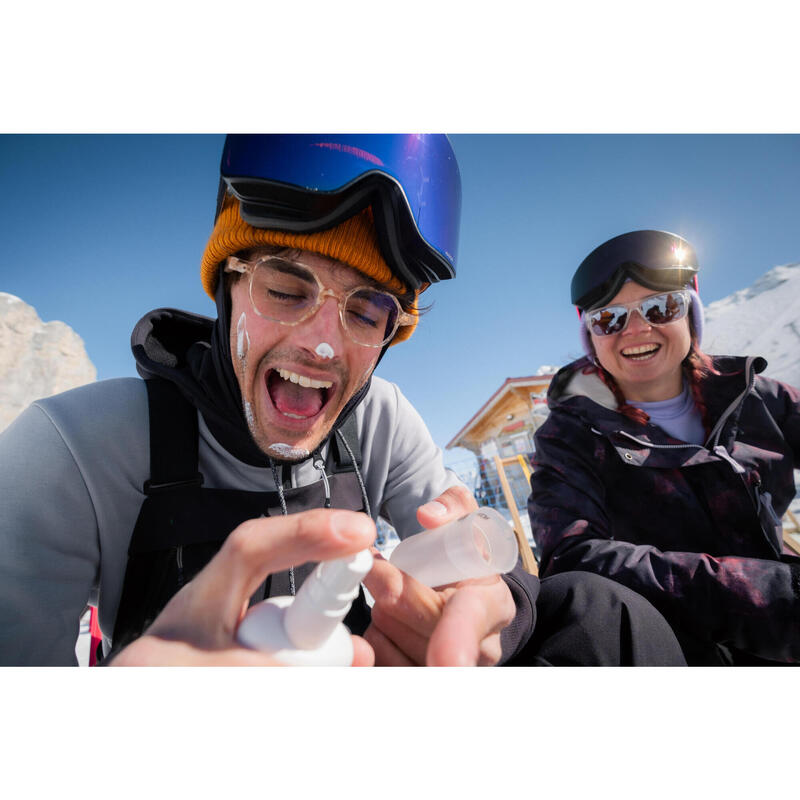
(72, 469)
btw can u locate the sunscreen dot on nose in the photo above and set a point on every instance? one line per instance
(324, 350)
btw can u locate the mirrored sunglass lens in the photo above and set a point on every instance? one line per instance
(370, 316)
(282, 290)
(664, 308)
(606, 321)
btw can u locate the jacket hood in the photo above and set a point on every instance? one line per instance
(193, 352)
(181, 347)
(580, 379)
(577, 389)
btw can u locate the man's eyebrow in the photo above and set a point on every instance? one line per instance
(290, 268)
(360, 280)
(282, 260)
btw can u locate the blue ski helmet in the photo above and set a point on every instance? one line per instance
(303, 183)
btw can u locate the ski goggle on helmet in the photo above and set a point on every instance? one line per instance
(658, 260)
(304, 183)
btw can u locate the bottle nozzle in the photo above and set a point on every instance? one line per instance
(324, 599)
(306, 630)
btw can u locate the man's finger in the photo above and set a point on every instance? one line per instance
(363, 654)
(414, 645)
(387, 654)
(453, 503)
(406, 599)
(154, 651)
(475, 611)
(263, 546)
(251, 552)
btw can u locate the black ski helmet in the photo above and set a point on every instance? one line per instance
(658, 260)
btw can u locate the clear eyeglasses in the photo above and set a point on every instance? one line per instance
(289, 292)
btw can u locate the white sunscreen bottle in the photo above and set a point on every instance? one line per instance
(478, 544)
(307, 630)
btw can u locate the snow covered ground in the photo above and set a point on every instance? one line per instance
(762, 320)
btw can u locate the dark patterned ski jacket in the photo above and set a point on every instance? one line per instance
(694, 529)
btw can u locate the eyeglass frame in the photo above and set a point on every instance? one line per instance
(636, 305)
(243, 267)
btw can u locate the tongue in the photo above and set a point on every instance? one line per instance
(291, 398)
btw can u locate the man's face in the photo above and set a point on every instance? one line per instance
(272, 361)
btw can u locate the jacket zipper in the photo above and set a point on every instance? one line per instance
(724, 454)
(651, 444)
(734, 406)
(717, 449)
(753, 492)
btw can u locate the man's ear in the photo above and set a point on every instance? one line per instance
(231, 275)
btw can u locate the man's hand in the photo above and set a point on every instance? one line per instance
(456, 625)
(198, 625)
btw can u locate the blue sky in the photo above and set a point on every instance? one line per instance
(95, 230)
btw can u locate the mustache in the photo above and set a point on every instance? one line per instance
(299, 358)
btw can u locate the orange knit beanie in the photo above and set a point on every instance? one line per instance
(353, 242)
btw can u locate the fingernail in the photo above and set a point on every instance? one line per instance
(435, 508)
(349, 525)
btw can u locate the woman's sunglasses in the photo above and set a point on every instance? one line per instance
(658, 309)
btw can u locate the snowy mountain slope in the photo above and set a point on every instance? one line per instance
(762, 320)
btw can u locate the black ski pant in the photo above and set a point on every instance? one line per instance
(583, 619)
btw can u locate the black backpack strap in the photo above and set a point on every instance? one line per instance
(342, 460)
(173, 439)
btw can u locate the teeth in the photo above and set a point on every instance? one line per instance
(635, 351)
(303, 380)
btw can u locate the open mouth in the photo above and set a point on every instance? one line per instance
(642, 352)
(296, 396)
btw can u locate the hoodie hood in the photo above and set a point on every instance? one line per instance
(577, 389)
(193, 352)
(580, 379)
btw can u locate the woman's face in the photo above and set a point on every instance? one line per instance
(644, 359)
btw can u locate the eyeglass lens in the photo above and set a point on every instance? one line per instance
(288, 293)
(658, 310)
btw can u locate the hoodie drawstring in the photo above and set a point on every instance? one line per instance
(319, 464)
(358, 473)
(279, 485)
